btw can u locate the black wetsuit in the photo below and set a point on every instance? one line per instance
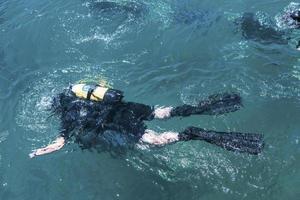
(79, 116)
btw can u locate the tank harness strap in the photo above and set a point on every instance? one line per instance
(90, 91)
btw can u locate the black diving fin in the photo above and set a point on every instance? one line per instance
(214, 105)
(251, 143)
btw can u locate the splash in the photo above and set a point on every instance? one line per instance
(284, 20)
(33, 110)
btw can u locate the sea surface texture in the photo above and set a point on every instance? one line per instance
(159, 52)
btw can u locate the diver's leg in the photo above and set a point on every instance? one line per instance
(162, 112)
(251, 143)
(216, 104)
(146, 112)
(151, 137)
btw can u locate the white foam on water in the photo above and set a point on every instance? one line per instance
(33, 111)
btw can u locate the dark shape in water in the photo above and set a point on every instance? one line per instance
(130, 8)
(252, 29)
(296, 15)
(298, 45)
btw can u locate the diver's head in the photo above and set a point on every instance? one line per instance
(296, 15)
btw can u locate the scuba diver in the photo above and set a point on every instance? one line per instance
(87, 111)
(275, 31)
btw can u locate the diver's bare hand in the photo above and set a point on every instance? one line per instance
(56, 145)
(162, 112)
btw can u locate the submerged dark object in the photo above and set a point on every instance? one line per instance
(253, 29)
(296, 15)
(298, 45)
(110, 7)
(278, 31)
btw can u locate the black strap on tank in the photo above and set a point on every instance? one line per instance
(90, 92)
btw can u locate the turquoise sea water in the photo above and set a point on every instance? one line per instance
(170, 53)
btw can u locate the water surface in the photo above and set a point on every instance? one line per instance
(172, 52)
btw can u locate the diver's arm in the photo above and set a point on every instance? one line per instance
(56, 145)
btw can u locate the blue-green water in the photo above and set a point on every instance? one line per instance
(158, 59)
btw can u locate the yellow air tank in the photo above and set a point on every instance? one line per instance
(96, 93)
